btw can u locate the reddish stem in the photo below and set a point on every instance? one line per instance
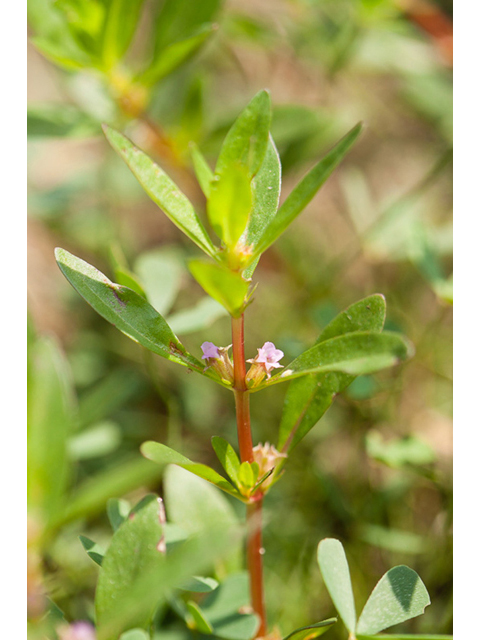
(254, 509)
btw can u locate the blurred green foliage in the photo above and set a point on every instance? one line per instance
(376, 471)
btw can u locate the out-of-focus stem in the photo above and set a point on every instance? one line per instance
(254, 509)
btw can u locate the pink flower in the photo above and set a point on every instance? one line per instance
(264, 362)
(209, 351)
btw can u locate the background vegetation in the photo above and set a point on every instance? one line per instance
(375, 472)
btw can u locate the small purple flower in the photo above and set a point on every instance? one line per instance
(267, 357)
(77, 631)
(210, 351)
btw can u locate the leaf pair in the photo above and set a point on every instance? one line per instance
(398, 596)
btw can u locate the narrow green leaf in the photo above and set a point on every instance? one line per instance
(399, 595)
(303, 193)
(117, 512)
(356, 353)
(179, 18)
(202, 169)
(59, 121)
(230, 202)
(312, 631)
(94, 550)
(132, 551)
(175, 55)
(198, 584)
(200, 622)
(308, 398)
(265, 196)
(405, 636)
(228, 457)
(336, 575)
(225, 286)
(161, 189)
(163, 455)
(246, 475)
(125, 309)
(247, 140)
(119, 27)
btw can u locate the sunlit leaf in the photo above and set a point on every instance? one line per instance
(336, 575)
(228, 458)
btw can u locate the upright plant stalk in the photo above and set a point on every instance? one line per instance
(254, 509)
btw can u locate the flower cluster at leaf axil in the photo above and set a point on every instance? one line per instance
(219, 360)
(263, 364)
(267, 457)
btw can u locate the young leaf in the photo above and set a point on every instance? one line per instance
(161, 189)
(229, 203)
(94, 550)
(132, 551)
(308, 398)
(305, 190)
(228, 457)
(163, 455)
(225, 286)
(399, 595)
(312, 631)
(336, 575)
(247, 140)
(119, 27)
(198, 621)
(246, 475)
(124, 308)
(353, 353)
(202, 170)
(175, 55)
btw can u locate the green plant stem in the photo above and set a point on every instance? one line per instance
(254, 509)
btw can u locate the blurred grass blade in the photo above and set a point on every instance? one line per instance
(161, 189)
(132, 552)
(202, 170)
(303, 193)
(124, 308)
(399, 595)
(120, 24)
(312, 631)
(175, 55)
(308, 398)
(247, 140)
(336, 575)
(163, 455)
(356, 354)
(225, 286)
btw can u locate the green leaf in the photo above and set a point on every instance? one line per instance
(247, 140)
(161, 189)
(117, 512)
(303, 193)
(175, 55)
(353, 353)
(119, 27)
(59, 121)
(229, 203)
(308, 398)
(193, 504)
(202, 169)
(98, 440)
(408, 450)
(399, 595)
(197, 619)
(160, 272)
(265, 196)
(336, 575)
(388, 636)
(94, 550)
(246, 475)
(132, 551)
(163, 455)
(135, 634)
(197, 318)
(223, 285)
(198, 584)
(177, 19)
(125, 309)
(228, 458)
(312, 631)
(51, 419)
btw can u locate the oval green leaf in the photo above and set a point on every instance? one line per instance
(336, 575)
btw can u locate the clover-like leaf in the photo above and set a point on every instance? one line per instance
(336, 575)
(398, 596)
(161, 189)
(94, 550)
